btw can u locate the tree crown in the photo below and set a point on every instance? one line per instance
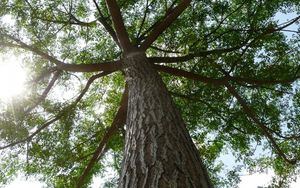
(231, 67)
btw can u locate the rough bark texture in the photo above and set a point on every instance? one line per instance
(159, 151)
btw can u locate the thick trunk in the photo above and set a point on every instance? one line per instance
(159, 151)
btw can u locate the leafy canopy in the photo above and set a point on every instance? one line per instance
(231, 66)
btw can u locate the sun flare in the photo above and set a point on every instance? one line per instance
(12, 77)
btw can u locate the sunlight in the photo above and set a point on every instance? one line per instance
(7, 20)
(12, 77)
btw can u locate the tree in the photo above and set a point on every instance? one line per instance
(228, 66)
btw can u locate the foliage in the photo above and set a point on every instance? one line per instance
(234, 44)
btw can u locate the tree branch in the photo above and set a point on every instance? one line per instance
(9, 45)
(221, 22)
(247, 43)
(60, 114)
(119, 26)
(171, 59)
(103, 66)
(108, 28)
(164, 50)
(251, 114)
(193, 55)
(73, 21)
(144, 18)
(88, 84)
(33, 134)
(214, 81)
(142, 36)
(286, 137)
(95, 67)
(190, 75)
(118, 121)
(221, 50)
(42, 75)
(288, 23)
(213, 109)
(270, 30)
(170, 17)
(259, 82)
(45, 92)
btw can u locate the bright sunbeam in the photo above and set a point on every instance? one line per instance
(12, 77)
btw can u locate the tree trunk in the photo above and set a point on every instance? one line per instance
(159, 151)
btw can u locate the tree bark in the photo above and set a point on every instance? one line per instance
(159, 152)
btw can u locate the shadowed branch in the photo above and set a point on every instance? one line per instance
(105, 24)
(193, 55)
(89, 83)
(252, 115)
(144, 18)
(119, 26)
(45, 125)
(222, 80)
(190, 75)
(45, 92)
(170, 17)
(118, 121)
(260, 82)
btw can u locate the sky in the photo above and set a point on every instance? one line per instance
(247, 181)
